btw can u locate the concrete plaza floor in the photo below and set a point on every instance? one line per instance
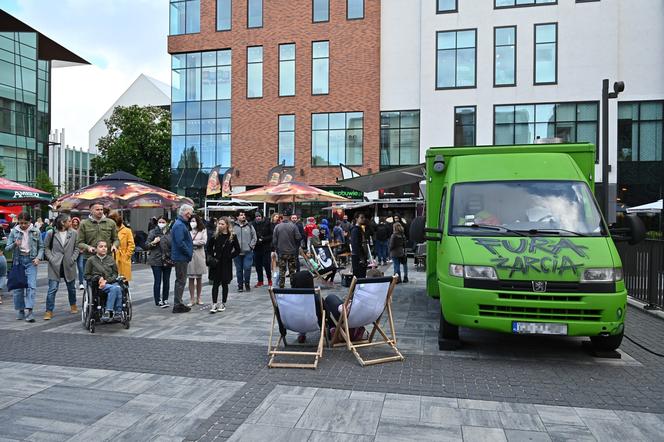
(198, 376)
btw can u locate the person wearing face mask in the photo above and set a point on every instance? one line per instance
(197, 265)
(246, 236)
(159, 258)
(182, 250)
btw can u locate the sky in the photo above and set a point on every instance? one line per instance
(120, 38)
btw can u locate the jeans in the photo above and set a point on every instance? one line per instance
(180, 281)
(397, 262)
(162, 283)
(53, 285)
(80, 265)
(215, 291)
(243, 265)
(25, 298)
(381, 250)
(113, 297)
(262, 262)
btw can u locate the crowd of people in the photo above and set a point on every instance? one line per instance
(103, 245)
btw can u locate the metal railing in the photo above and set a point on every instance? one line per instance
(643, 269)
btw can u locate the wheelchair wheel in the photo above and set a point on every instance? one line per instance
(128, 308)
(86, 310)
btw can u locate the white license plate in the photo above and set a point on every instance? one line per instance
(539, 328)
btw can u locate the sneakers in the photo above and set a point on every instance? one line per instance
(30, 317)
(213, 309)
(48, 316)
(259, 284)
(181, 308)
(190, 304)
(222, 307)
(240, 288)
(247, 287)
(164, 304)
(73, 309)
(405, 279)
(160, 304)
(20, 315)
(269, 283)
(81, 287)
(106, 316)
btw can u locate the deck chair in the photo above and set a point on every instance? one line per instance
(368, 299)
(295, 310)
(321, 271)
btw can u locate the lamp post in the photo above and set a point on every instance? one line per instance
(618, 87)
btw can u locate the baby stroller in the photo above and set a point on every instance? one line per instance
(94, 301)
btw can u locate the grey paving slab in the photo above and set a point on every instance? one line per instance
(323, 436)
(286, 412)
(593, 413)
(400, 431)
(349, 416)
(260, 433)
(526, 436)
(614, 430)
(563, 432)
(521, 421)
(479, 418)
(483, 434)
(558, 415)
(401, 407)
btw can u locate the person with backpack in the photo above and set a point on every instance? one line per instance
(398, 251)
(62, 254)
(382, 237)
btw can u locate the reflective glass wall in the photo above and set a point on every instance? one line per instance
(201, 119)
(24, 107)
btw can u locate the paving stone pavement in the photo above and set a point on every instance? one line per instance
(498, 387)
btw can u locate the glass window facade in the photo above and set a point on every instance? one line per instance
(254, 71)
(456, 59)
(320, 78)
(24, 107)
(524, 123)
(255, 14)
(399, 138)
(287, 140)
(504, 56)
(224, 15)
(520, 3)
(337, 139)
(287, 70)
(201, 117)
(640, 131)
(446, 6)
(185, 17)
(464, 125)
(546, 53)
(77, 169)
(354, 9)
(321, 10)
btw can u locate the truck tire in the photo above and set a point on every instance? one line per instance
(417, 229)
(606, 343)
(448, 335)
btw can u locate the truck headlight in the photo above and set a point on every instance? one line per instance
(609, 274)
(473, 272)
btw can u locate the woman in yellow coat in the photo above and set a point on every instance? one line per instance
(126, 248)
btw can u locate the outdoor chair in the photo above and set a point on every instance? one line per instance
(300, 311)
(325, 267)
(368, 299)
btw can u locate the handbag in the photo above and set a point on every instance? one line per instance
(211, 261)
(17, 279)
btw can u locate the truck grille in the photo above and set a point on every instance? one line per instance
(551, 286)
(539, 297)
(538, 313)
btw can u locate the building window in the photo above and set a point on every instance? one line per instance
(641, 131)
(456, 59)
(321, 10)
(185, 17)
(320, 69)
(525, 123)
(200, 114)
(337, 139)
(399, 138)
(444, 6)
(354, 9)
(254, 71)
(287, 70)
(546, 53)
(521, 3)
(464, 126)
(224, 15)
(287, 140)
(255, 14)
(504, 56)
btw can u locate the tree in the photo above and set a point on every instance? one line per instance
(43, 182)
(138, 142)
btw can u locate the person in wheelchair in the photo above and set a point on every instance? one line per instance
(101, 272)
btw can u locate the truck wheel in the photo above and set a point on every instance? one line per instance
(606, 343)
(448, 335)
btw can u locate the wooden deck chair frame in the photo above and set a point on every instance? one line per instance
(273, 347)
(342, 332)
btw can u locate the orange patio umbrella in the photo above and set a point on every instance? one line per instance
(290, 192)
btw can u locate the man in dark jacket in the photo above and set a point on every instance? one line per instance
(382, 236)
(358, 245)
(264, 230)
(286, 240)
(182, 249)
(300, 228)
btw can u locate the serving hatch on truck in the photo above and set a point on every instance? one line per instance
(516, 243)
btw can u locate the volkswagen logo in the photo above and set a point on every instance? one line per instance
(539, 286)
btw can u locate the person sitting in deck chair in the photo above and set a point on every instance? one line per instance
(305, 280)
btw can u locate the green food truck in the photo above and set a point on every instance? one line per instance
(516, 243)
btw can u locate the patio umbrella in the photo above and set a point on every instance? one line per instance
(655, 207)
(15, 194)
(121, 190)
(290, 192)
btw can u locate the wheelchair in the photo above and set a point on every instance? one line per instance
(94, 302)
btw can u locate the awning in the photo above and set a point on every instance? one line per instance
(350, 206)
(385, 179)
(655, 207)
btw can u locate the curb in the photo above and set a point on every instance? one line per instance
(640, 305)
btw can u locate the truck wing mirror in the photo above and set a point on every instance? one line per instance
(634, 233)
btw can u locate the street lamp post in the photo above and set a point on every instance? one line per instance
(618, 87)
